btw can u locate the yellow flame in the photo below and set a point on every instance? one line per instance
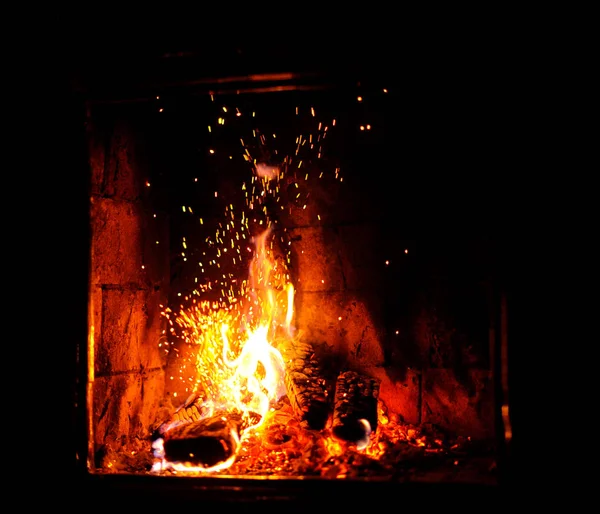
(250, 392)
(238, 366)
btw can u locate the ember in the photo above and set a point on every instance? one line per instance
(282, 447)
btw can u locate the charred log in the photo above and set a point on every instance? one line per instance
(305, 385)
(355, 407)
(205, 443)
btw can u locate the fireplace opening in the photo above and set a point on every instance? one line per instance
(284, 284)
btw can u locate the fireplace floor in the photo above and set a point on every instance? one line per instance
(282, 448)
(462, 488)
(472, 469)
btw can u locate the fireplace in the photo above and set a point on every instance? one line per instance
(284, 294)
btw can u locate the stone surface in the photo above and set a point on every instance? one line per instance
(316, 262)
(114, 160)
(400, 392)
(460, 404)
(125, 406)
(344, 323)
(440, 325)
(310, 197)
(129, 245)
(325, 194)
(181, 372)
(337, 258)
(359, 251)
(117, 243)
(130, 332)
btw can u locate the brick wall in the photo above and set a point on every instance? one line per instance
(127, 285)
(418, 321)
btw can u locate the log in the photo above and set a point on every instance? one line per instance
(355, 407)
(205, 443)
(305, 385)
(194, 408)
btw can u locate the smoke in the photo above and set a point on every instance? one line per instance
(267, 171)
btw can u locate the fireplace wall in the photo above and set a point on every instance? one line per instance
(410, 303)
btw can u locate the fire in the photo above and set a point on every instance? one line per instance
(238, 369)
(251, 392)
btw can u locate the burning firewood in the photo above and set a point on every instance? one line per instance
(194, 408)
(355, 407)
(206, 443)
(306, 388)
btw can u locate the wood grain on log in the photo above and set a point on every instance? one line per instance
(355, 407)
(305, 385)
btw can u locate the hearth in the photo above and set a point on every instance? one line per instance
(286, 295)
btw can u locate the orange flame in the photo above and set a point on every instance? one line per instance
(247, 373)
(238, 367)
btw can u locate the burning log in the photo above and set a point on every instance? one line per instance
(194, 408)
(306, 388)
(355, 407)
(206, 443)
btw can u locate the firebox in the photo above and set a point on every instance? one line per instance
(283, 298)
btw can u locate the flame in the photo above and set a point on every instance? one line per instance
(238, 367)
(334, 447)
(250, 392)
